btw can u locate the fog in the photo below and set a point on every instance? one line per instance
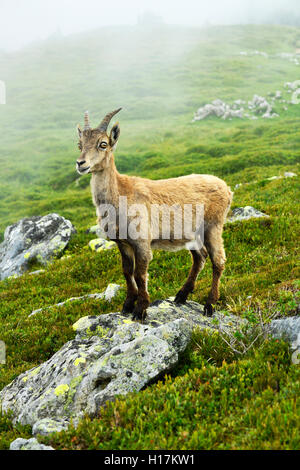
(25, 21)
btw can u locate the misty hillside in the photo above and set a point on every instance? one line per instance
(215, 398)
(160, 76)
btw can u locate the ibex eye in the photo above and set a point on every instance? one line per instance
(80, 145)
(102, 145)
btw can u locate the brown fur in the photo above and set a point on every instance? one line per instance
(107, 185)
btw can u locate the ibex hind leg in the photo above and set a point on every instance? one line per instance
(215, 248)
(199, 258)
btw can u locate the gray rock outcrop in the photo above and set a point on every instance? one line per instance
(46, 426)
(109, 293)
(110, 355)
(287, 174)
(245, 213)
(260, 106)
(220, 109)
(288, 329)
(28, 444)
(33, 239)
(101, 244)
(97, 230)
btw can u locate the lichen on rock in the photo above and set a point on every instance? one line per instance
(34, 239)
(245, 213)
(110, 355)
(28, 444)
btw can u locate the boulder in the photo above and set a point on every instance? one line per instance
(220, 109)
(260, 106)
(292, 86)
(244, 213)
(109, 293)
(97, 230)
(33, 239)
(47, 426)
(28, 444)
(289, 329)
(101, 244)
(111, 355)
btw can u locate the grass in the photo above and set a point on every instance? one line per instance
(213, 400)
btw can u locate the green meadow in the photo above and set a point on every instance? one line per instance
(215, 398)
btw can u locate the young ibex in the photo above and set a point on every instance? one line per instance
(107, 185)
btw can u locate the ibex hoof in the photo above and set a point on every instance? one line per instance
(139, 314)
(128, 306)
(208, 310)
(181, 297)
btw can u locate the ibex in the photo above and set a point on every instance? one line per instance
(107, 185)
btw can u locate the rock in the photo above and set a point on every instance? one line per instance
(289, 56)
(33, 239)
(272, 178)
(220, 109)
(239, 102)
(109, 293)
(289, 329)
(243, 213)
(292, 86)
(252, 53)
(28, 444)
(47, 426)
(97, 230)
(2, 352)
(111, 355)
(287, 174)
(39, 271)
(259, 105)
(296, 96)
(100, 244)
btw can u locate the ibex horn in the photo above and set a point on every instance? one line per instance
(86, 121)
(105, 122)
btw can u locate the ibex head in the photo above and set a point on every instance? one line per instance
(96, 145)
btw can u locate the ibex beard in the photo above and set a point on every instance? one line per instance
(187, 212)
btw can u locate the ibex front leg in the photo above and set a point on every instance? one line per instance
(127, 254)
(143, 256)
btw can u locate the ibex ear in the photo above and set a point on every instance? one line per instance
(79, 131)
(114, 135)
